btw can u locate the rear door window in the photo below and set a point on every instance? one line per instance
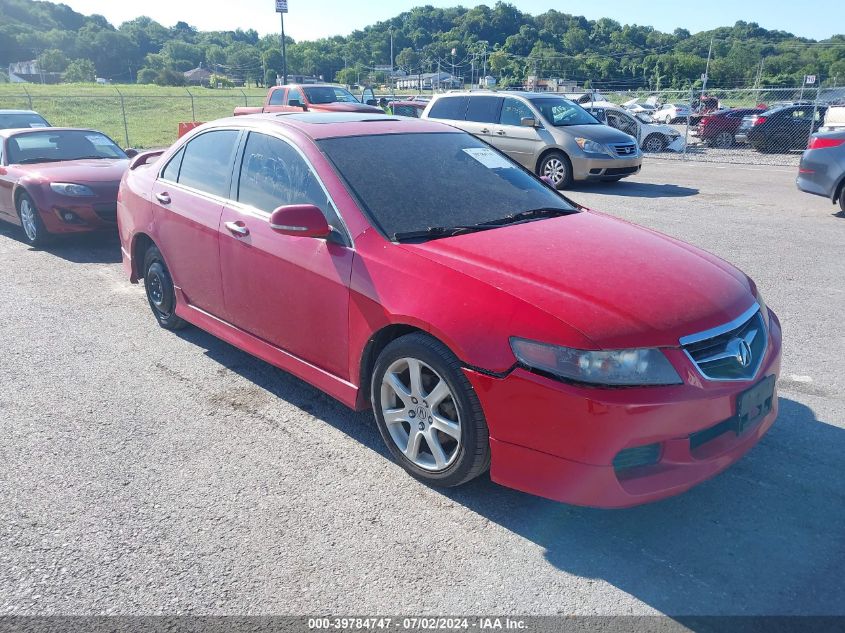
(452, 108)
(294, 97)
(207, 162)
(484, 109)
(277, 97)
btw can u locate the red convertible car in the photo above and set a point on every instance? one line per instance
(488, 321)
(59, 180)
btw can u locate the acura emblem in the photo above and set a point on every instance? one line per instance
(740, 350)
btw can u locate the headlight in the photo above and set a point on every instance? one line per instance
(617, 367)
(70, 189)
(592, 147)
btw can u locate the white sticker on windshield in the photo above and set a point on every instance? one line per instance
(98, 139)
(489, 158)
(38, 125)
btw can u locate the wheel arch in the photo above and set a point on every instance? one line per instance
(551, 150)
(141, 242)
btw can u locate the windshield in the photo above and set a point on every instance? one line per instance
(20, 120)
(53, 146)
(412, 182)
(328, 94)
(562, 112)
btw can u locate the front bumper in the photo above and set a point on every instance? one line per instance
(604, 168)
(562, 441)
(86, 214)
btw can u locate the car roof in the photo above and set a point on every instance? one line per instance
(321, 125)
(6, 133)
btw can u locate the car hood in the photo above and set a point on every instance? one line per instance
(79, 171)
(618, 284)
(345, 107)
(599, 133)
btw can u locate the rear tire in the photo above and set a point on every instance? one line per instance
(842, 197)
(161, 294)
(557, 167)
(723, 140)
(33, 226)
(427, 412)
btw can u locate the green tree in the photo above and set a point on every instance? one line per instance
(52, 61)
(80, 71)
(408, 59)
(147, 76)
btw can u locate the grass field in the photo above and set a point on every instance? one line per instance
(153, 113)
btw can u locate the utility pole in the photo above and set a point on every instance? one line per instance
(707, 68)
(281, 9)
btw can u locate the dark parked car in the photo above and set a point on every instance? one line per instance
(408, 108)
(718, 128)
(13, 119)
(781, 129)
(822, 169)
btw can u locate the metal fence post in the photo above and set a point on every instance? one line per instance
(193, 110)
(246, 103)
(689, 112)
(123, 111)
(815, 112)
(28, 96)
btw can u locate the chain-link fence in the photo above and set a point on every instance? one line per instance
(133, 119)
(768, 126)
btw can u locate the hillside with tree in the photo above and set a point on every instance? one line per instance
(502, 40)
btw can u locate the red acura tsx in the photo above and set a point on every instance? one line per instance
(488, 321)
(59, 181)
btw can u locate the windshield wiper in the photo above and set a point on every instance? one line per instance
(27, 161)
(529, 214)
(92, 158)
(442, 231)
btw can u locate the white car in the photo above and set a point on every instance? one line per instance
(651, 137)
(649, 106)
(672, 113)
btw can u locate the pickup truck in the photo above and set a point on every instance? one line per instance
(311, 98)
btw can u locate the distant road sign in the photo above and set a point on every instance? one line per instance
(281, 6)
(810, 79)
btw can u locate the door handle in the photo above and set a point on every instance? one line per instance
(485, 131)
(164, 198)
(500, 132)
(238, 229)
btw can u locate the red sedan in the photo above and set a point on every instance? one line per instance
(488, 321)
(59, 180)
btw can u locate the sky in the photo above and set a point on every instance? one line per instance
(310, 19)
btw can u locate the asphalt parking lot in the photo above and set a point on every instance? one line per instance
(143, 471)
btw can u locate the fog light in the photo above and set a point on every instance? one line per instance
(68, 217)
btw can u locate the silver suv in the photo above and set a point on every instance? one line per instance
(548, 134)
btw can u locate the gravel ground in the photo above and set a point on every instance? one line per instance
(143, 471)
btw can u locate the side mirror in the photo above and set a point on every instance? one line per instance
(372, 102)
(131, 152)
(300, 220)
(296, 103)
(528, 121)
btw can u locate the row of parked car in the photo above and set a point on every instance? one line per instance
(409, 266)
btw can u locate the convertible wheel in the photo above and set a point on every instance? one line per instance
(160, 293)
(33, 227)
(723, 140)
(557, 167)
(655, 143)
(427, 412)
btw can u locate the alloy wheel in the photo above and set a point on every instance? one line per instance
(421, 414)
(724, 139)
(654, 144)
(29, 219)
(555, 169)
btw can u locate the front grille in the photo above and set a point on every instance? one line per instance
(637, 456)
(732, 352)
(625, 149)
(106, 211)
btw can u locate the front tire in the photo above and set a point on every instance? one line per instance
(558, 168)
(428, 413)
(33, 226)
(161, 294)
(723, 140)
(654, 143)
